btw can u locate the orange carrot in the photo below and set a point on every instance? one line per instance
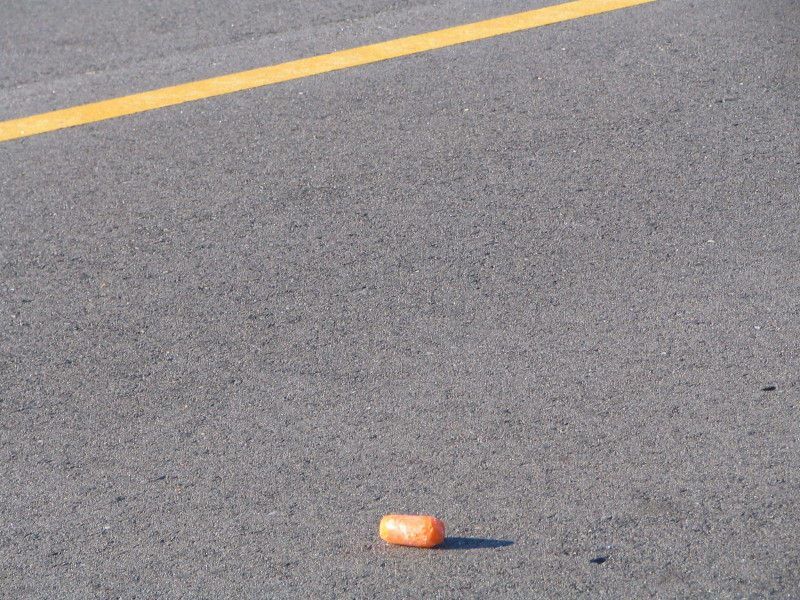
(420, 531)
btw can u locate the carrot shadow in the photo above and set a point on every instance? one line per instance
(470, 543)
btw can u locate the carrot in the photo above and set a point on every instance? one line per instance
(420, 531)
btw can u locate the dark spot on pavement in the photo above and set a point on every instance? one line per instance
(769, 388)
(599, 560)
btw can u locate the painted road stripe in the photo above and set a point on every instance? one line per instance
(226, 84)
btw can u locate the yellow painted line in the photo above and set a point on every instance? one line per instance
(226, 84)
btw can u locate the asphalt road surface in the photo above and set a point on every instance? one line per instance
(544, 286)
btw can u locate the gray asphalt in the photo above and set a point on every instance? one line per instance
(544, 286)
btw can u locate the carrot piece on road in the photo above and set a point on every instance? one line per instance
(420, 531)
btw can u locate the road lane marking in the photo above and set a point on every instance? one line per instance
(306, 67)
